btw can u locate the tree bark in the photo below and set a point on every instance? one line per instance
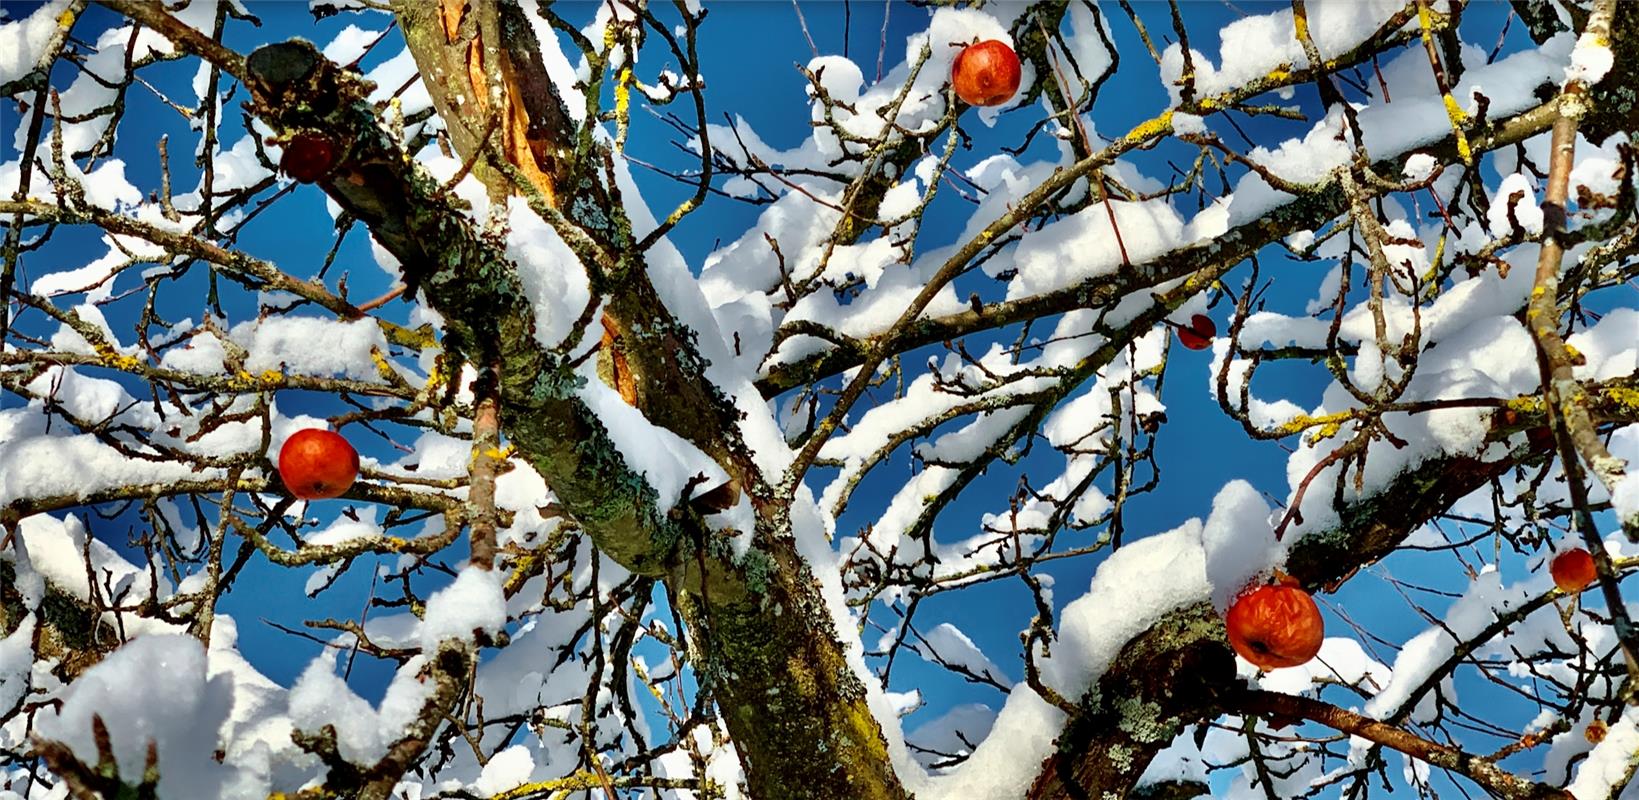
(1172, 675)
(766, 645)
(767, 648)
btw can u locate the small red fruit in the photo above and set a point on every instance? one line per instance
(317, 464)
(986, 74)
(308, 157)
(1275, 626)
(1573, 570)
(1198, 336)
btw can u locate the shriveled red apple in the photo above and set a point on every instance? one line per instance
(1275, 626)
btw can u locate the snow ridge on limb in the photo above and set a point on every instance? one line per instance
(1130, 706)
(572, 616)
(474, 287)
(550, 423)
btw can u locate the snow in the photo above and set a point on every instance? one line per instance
(946, 643)
(506, 770)
(1416, 117)
(945, 733)
(70, 340)
(1083, 245)
(96, 84)
(1134, 587)
(1184, 124)
(1340, 660)
(1609, 348)
(363, 732)
(948, 31)
(1424, 653)
(435, 455)
(106, 187)
(346, 528)
(552, 277)
(1625, 498)
(23, 41)
(1471, 337)
(473, 602)
(202, 354)
(58, 551)
(1256, 45)
(1591, 59)
(1238, 542)
(1262, 413)
(311, 346)
(522, 491)
(16, 662)
(667, 461)
(1515, 202)
(1476, 354)
(179, 709)
(348, 44)
(93, 400)
(1036, 513)
(1610, 762)
(1087, 51)
(256, 734)
(1419, 166)
(237, 167)
(722, 765)
(737, 277)
(926, 403)
(95, 279)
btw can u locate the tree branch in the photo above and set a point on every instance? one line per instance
(1486, 774)
(1139, 682)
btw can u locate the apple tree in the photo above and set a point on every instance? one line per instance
(646, 520)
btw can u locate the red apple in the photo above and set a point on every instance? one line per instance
(308, 157)
(986, 74)
(1573, 570)
(1198, 336)
(1275, 626)
(317, 464)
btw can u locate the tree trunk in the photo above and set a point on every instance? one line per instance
(766, 646)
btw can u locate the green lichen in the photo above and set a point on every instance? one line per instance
(1144, 721)
(758, 568)
(554, 384)
(1120, 756)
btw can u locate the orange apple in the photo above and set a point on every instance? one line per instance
(986, 74)
(1573, 570)
(1595, 732)
(317, 464)
(1275, 626)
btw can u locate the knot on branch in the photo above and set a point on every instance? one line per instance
(283, 64)
(291, 88)
(1175, 675)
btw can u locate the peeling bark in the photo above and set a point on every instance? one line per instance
(767, 647)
